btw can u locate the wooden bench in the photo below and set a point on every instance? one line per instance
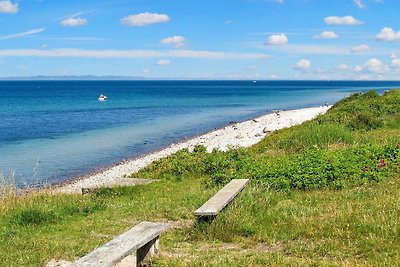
(222, 198)
(143, 238)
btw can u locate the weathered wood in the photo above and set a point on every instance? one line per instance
(222, 198)
(142, 237)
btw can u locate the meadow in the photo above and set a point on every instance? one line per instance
(324, 193)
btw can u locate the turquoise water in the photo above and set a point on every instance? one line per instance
(56, 130)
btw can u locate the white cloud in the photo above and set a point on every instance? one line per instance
(22, 34)
(346, 20)
(73, 22)
(395, 63)
(358, 68)
(277, 39)
(177, 41)
(311, 49)
(145, 71)
(130, 54)
(393, 55)
(373, 65)
(326, 35)
(163, 62)
(7, 6)
(303, 64)
(360, 48)
(388, 34)
(343, 67)
(360, 4)
(143, 19)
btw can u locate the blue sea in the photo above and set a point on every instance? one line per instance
(52, 131)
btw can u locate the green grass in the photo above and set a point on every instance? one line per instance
(353, 226)
(325, 193)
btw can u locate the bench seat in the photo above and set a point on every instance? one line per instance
(222, 198)
(143, 238)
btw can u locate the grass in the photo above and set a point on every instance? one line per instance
(358, 226)
(324, 193)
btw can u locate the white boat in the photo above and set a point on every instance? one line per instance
(102, 97)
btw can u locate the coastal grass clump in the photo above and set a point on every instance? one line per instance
(366, 111)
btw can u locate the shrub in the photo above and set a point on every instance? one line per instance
(318, 168)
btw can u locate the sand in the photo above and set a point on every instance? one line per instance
(243, 134)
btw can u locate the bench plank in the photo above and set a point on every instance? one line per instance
(122, 246)
(222, 198)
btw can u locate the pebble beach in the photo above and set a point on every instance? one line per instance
(242, 134)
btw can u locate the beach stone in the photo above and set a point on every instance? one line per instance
(267, 130)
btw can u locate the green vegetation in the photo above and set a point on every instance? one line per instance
(322, 193)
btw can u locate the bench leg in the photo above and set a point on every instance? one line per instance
(144, 253)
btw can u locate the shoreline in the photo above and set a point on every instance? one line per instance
(238, 134)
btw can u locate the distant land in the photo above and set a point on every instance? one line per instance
(71, 77)
(140, 78)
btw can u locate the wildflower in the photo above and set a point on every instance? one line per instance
(364, 169)
(382, 163)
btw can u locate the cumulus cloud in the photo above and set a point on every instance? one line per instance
(326, 35)
(343, 67)
(73, 22)
(360, 48)
(396, 63)
(277, 39)
(346, 20)
(373, 65)
(303, 64)
(163, 62)
(388, 34)
(7, 6)
(22, 34)
(360, 4)
(143, 19)
(177, 41)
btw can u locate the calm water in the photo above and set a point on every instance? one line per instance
(55, 130)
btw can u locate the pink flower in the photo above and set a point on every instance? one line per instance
(382, 163)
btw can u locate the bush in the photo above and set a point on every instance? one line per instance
(318, 168)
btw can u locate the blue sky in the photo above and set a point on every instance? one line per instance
(202, 39)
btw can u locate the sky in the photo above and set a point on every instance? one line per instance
(202, 39)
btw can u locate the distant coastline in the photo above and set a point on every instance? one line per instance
(143, 78)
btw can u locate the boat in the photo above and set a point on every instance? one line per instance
(102, 97)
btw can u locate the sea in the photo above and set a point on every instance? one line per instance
(55, 131)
